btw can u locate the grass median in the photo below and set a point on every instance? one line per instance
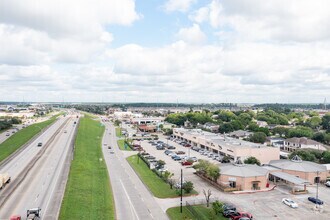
(22, 136)
(118, 132)
(88, 192)
(121, 145)
(203, 212)
(155, 184)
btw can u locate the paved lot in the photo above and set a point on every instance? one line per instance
(263, 205)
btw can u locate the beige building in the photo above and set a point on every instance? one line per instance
(292, 144)
(310, 171)
(227, 146)
(243, 177)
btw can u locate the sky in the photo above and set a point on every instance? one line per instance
(189, 51)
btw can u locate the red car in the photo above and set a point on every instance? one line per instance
(238, 215)
(186, 163)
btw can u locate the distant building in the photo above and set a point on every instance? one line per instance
(262, 124)
(211, 127)
(292, 144)
(149, 120)
(275, 142)
(240, 134)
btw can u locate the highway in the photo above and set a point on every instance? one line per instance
(43, 185)
(133, 201)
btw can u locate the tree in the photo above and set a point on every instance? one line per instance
(117, 122)
(167, 175)
(300, 131)
(304, 155)
(327, 138)
(217, 207)
(282, 131)
(226, 128)
(252, 160)
(226, 159)
(258, 137)
(326, 157)
(171, 182)
(213, 172)
(202, 166)
(188, 186)
(207, 196)
(319, 136)
(313, 122)
(326, 122)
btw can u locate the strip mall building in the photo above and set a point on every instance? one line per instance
(227, 146)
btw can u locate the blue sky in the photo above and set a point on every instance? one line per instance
(196, 51)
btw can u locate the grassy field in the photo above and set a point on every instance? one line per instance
(155, 184)
(118, 132)
(122, 146)
(204, 213)
(88, 192)
(21, 137)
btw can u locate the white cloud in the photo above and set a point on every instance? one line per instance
(59, 31)
(193, 35)
(178, 5)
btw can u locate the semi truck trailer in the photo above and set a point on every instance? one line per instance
(4, 179)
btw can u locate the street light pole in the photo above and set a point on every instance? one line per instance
(181, 192)
(317, 184)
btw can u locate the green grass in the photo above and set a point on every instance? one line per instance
(88, 192)
(122, 146)
(204, 213)
(155, 184)
(21, 137)
(118, 132)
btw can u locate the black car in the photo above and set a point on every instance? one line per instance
(39, 144)
(227, 207)
(171, 147)
(315, 200)
(229, 213)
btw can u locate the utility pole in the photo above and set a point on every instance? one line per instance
(317, 184)
(181, 192)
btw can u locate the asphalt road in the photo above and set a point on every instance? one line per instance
(132, 198)
(41, 184)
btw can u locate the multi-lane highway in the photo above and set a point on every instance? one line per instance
(43, 184)
(132, 198)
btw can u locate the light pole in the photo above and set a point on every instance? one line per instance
(181, 192)
(317, 184)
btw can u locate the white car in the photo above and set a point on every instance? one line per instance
(327, 183)
(290, 203)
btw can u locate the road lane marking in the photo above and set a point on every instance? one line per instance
(129, 200)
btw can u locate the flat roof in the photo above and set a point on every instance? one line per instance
(290, 178)
(220, 139)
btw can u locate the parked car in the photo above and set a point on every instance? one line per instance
(194, 159)
(180, 152)
(229, 213)
(315, 200)
(171, 147)
(227, 206)
(290, 203)
(186, 163)
(176, 158)
(167, 152)
(160, 148)
(174, 155)
(327, 183)
(241, 215)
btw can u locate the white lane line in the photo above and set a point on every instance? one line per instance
(129, 200)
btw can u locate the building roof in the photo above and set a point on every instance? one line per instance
(297, 165)
(240, 133)
(242, 170)
(290, 178)
(302, 140)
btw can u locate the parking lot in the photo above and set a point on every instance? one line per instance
(263, 205)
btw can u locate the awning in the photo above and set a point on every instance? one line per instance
(290, 178)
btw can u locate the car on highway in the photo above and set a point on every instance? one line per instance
(7, 134)
(39, 144)
(315, 200)
(290, 203)
(65, 131)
